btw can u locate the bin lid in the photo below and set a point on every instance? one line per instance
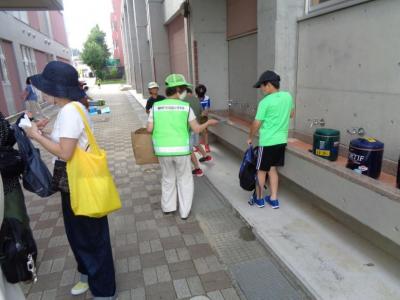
(327, 132)
(367, 143)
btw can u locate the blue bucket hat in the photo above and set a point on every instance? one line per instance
(59, 79)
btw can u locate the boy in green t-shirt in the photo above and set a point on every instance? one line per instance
(272, 121)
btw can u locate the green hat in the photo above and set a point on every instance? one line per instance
(174, 80)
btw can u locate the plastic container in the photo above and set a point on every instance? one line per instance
(326, 143)
(365, 156)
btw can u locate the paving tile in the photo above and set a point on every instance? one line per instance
(150, 276)
(230, 294)
(68, 277)
(171, 256)
(47, 282)
(144, 247)
(147, 235)
(138, 293)
(182, 269)
(45, 267)
(200, 250)
(183, 254)
(163, 274)
(129, 280)
(215, 281)
(156, 245)
(201, 265)
(195, 286)
(216, 295)
(172, 242)
(56, 252)
(126, 251)
(153, 259)
(134, 264)
(189, 228)
(160, 291)
(58, 265)
(181, 288)
(49, 294)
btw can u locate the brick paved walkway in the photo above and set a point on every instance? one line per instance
(156, 256)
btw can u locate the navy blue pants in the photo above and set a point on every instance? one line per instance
(89, 239)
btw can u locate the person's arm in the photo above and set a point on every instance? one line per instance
(150, 127)
(150, 124)
(64, 150)
(255, 126)
(24, 94)
(197, 128)
(292, 113)
(148, 105)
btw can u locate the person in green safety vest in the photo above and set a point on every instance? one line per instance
(169, 122)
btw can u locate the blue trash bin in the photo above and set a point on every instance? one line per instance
(366, 156)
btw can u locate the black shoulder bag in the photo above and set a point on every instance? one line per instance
(18, 252)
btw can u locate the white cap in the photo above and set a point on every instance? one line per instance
(153, 85)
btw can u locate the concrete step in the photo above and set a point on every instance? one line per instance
(329, 259)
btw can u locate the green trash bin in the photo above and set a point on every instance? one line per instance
(326, 143)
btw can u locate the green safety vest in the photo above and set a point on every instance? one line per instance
(171, 128)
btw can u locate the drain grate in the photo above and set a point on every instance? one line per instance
(261, 280)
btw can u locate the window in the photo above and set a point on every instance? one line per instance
(28, 59)
(21, 15)
(315, 5)
(3, 66)
(44, 22)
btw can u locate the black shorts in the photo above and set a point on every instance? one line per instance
(271, 156)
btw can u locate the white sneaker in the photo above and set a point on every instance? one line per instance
(80, 288)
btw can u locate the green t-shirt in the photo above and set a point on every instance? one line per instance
(274, 113)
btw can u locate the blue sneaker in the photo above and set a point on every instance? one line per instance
(274, 203)
(252, 199)
(267, 199)
(260, 202)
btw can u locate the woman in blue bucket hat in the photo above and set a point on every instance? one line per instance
(89, 238)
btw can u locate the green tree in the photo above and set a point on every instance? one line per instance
(95, 51)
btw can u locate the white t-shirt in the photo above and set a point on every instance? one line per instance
(192, 116)
(69, 124)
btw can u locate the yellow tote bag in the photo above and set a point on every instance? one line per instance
(92, 188)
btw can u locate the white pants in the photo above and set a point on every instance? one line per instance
(176, 184)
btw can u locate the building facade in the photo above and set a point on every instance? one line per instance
(339, 65)
(28, 41)
(117, 32)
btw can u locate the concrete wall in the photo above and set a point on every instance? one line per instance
(266, 17)
(348, 71)
(159, 44)
(242, 75)
(177, 46)
(286, 29)
(208, 28)
(171, 9)
(144, 58)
